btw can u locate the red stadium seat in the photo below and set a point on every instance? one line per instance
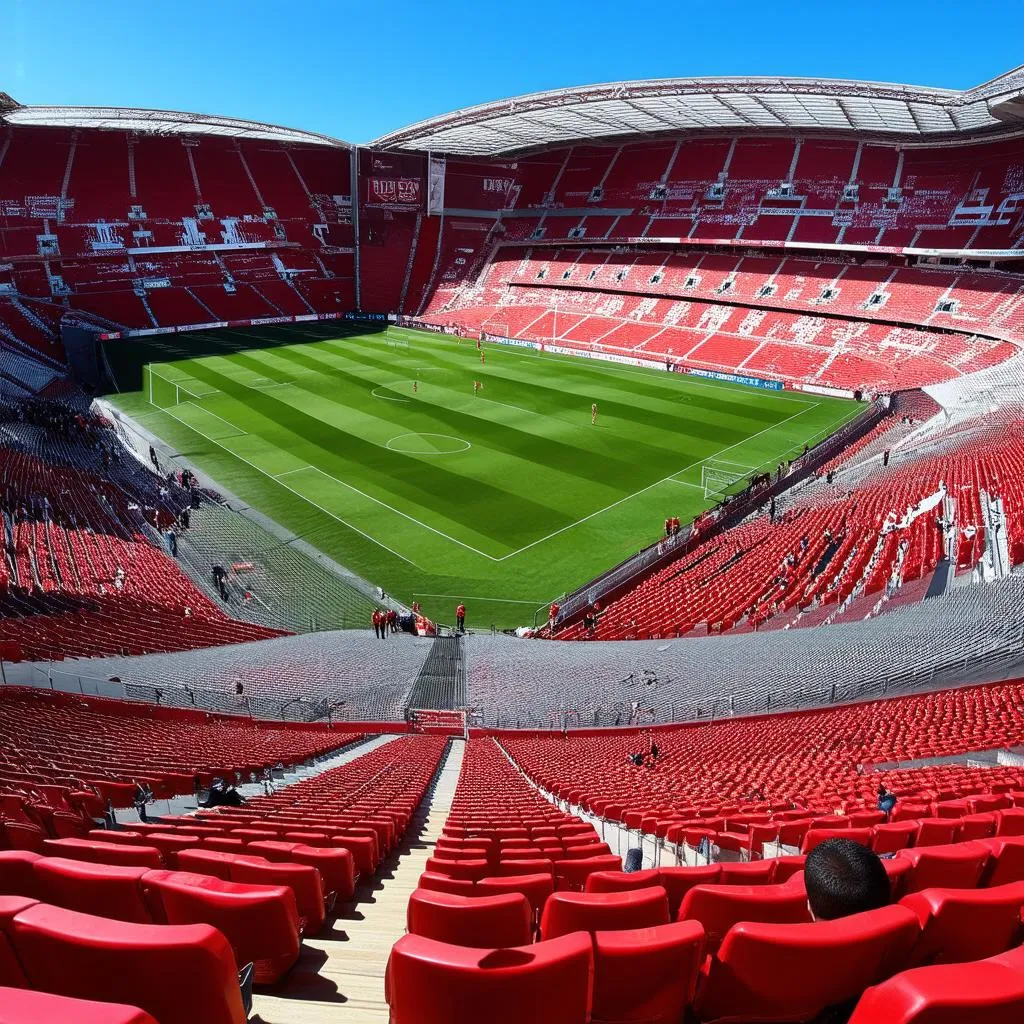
(719, 907)
(983, 992)
(1006, 860)
(107, 890)
(568, 912)
(956, 866)
(165, 970)
(17, 873)
(336, 866)
(431, 982)
(104, 853)
(483, 922)
(571, 875)
(646, 974)
(536, 888)
(260, 921)
(792, 972)
(11, 973)
(444, 883)
(304, 880)
(966, 924)
(22, 1006)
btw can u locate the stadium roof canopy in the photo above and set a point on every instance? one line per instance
(623, 110)
(158, 122)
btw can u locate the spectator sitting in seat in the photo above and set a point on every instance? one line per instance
(843, 878)
(886, 800)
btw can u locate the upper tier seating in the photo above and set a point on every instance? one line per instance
(95, 203)
(726, 322)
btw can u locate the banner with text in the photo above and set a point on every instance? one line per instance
(393, 193)
(738, 378)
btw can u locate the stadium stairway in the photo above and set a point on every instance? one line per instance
(441, 682)
(340, 972)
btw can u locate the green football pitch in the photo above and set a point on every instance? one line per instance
(374, 448)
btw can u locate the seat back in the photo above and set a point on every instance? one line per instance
(956, 866)
(965, 924)
(104, 853)
(482, 922)
(646, 974)
(11, 973)
(936, 831)
(817, 836)
(107, 890)
(17, 874)
(571, 875)
(260, 921)
(755, 872)
(23, 1006)
(442, 883)
(620, 881)
(720, 907)
(430, 982)
(567, 912)
(897, 835)
(1006, 860)
(536, 888)
(983, 992)
(165, 970)
(792, 972)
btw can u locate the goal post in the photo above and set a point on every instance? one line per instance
(719, 478)
(162, 391)
(396, 337)
(165, 393)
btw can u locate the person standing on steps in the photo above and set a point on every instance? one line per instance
(460, 618)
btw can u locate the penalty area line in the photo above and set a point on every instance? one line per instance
(298, 494)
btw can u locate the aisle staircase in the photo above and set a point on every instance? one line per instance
(340, 973)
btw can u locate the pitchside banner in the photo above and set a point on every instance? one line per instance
(497, 339)
(394, 193)
(435, 186)
(736, 378)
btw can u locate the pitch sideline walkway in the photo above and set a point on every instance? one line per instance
(340, 972)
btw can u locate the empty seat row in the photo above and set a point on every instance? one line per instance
(261, 922)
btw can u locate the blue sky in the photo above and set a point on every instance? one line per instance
(357, 70)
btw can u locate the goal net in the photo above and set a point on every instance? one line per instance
(164, 392)
(720, 478)
(396, 337)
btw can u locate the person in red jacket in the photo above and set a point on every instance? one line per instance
(376, 623)
(460, 618)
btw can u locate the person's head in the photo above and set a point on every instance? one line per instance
(842, 878)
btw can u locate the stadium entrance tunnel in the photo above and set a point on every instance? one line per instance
(428, 444)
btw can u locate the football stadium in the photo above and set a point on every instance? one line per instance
(560, 561)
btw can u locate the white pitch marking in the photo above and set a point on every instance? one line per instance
(298, 494)
(404, 515)
(450, 437)
(643, 490)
